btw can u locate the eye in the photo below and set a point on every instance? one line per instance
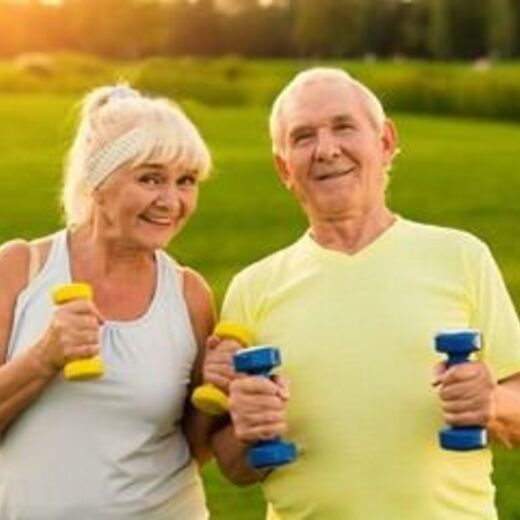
(342, 127)
(187, 179)
(302, 137)
(150, 179)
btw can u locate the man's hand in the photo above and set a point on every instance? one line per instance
(467, 393)
(257, 406)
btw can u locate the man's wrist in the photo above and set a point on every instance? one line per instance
(496, 425)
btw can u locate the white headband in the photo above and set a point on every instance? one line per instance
(113, 155)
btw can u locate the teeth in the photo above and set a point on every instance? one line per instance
(162, 221)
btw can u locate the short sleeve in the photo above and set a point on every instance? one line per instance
(235, 305)
(494, 314)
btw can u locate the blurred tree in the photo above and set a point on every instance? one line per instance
(413, 27)
(501, 29)
(515, 6)
(439, 30)
(328, 28)
(468, 28)
(103, 27)
(379, 23)
(152, 30)
(195, 28)
(249, 28)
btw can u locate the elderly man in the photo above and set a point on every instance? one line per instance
(354, 306)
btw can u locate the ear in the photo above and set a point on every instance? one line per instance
(282, 171)
(389, 141)
(97, 196)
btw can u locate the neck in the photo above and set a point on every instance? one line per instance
(352, 234)
(96, 256)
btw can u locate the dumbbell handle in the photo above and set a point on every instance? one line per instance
(259, 361)
(79, 369)
(458, 346)
(208, 398)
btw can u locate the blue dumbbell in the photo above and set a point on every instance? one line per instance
(276, 452)
(458, 345)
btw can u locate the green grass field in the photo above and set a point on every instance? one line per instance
(451, 172)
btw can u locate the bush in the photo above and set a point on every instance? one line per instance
(480, 90)
(199, 80)
(37, 64)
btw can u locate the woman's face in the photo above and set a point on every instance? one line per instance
(147, 205)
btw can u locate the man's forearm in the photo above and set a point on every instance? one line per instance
(505, 425)
(231, 454)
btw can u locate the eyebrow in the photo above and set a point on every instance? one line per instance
(343, 118)
(297, 130)
(160, 168)
(155, 166)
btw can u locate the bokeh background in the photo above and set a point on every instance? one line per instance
(447, 71)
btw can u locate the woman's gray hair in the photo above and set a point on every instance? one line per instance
(318, 75)
(118, 125)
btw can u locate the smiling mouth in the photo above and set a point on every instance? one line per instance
(333, 175)
(157, 221)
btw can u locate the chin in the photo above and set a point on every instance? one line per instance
(152, 241)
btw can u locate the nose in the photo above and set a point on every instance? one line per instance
(169, 197)
(327, 146)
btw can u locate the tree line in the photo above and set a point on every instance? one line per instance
(130, 29)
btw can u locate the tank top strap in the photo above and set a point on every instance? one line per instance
(55, 270)
(171, 292)
(169, 275)
(56, 266)
(59, 257)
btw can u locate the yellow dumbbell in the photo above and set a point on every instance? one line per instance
(79, 369)
(208, 398)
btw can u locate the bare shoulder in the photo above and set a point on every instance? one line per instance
(15, 259)
(43, 247)
(14, 264)
(15, 247)
(195, 286)
(199, 299)
(197, 292)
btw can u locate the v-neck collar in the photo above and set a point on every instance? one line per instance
(327, 254)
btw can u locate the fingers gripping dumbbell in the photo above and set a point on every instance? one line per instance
(208, 398)
(458, 345)
(275, 452)
(79, 369)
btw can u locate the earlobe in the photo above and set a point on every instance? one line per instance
(389, 140)
(97, 196)
(281, 169)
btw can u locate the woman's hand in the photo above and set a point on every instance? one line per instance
(72, 334)
(218, 367)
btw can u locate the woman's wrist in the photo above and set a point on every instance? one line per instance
(43, 363)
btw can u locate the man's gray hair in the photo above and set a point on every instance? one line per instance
(318, 75)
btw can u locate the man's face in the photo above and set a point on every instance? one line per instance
(333, 157)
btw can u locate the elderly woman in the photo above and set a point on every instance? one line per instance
(122, 446)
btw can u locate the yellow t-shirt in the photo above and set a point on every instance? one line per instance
(356, 336)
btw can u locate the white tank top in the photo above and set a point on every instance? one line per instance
(113, 448)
